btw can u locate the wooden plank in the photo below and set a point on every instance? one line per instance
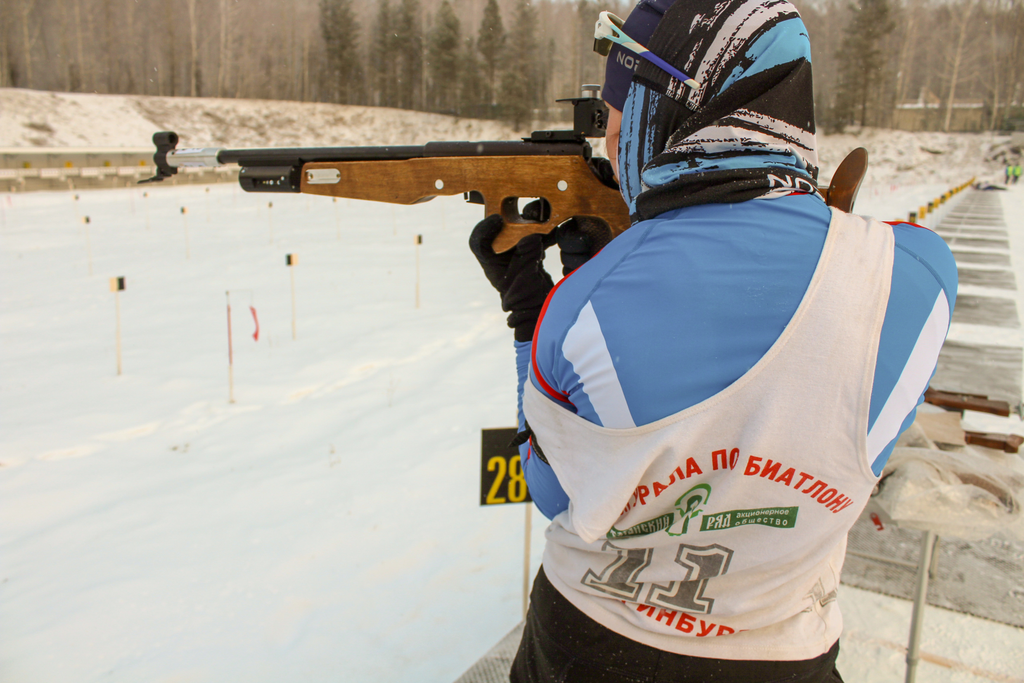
(977, 242)
(985, 310)
(982, 258)
(997, 279)
(961, 401)
(993, 371)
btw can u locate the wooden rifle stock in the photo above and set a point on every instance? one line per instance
(842, 191)
(552, 165)
(566, 182)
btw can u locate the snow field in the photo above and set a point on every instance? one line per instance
(325, 526)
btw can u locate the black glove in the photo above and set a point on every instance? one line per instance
(518, 274)
(579, 239)
(602, 168)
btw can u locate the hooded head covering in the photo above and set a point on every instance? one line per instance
(748, 129)
(621, 63)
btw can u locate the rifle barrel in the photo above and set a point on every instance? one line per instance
(296, 156)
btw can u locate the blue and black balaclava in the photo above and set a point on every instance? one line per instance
(746, 131)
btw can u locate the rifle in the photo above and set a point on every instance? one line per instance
(550, 164)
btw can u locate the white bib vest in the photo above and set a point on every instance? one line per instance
(720, 531)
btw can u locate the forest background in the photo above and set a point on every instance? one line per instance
(499, 59)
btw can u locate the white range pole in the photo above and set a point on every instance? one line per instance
(291, 260)
(117, 286)
(88, 242)
(337, 217)
(419, 241)
(231, 356)
(184, 218)
(526, 558)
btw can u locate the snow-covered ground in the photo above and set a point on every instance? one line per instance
(30, 118)
(325, 526)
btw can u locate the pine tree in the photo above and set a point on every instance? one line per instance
(383, 58)
(408, 48)
(491, 44)
(861, 60)
(518, 96)
(343, 72)
(473, 95)
(445, 41)
(590, 64)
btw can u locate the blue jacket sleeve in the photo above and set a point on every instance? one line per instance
(923, 272)
(544, 488)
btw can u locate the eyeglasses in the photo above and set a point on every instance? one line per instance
(608, 30)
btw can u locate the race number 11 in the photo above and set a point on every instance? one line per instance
(501, 473)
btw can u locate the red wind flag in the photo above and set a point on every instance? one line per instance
(256, 334)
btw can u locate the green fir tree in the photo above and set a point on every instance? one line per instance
(861, 62)
(474, 100)
(408, 47)
(340, 30)
(518, 90)
(383, 58)
(490, 42)
(445, 43)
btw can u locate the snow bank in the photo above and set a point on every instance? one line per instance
(897, 157)
(30, 118)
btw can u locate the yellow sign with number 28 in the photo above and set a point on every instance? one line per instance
(501, 474)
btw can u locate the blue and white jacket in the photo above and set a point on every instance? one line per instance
(678, 307)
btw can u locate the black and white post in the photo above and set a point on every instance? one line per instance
(291, 260)
(117, 286)
(88, 243)
(270, 221)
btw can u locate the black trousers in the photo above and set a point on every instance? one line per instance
(563, 645)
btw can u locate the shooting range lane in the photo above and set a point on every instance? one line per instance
(983, 352)
(982, 355)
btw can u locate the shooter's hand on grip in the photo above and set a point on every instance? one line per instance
(578, 238)
(518, 274)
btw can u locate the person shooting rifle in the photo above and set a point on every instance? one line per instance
(708, 397)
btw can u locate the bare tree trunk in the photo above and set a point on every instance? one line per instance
(127, 50)
(903, 74)
(80, 54)
(65, 51)
(305, 69)
(27, 40)
(222, 62)
(194, 55)
(957, 58)
(5, 67)
(996, 67)
(172, 42)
